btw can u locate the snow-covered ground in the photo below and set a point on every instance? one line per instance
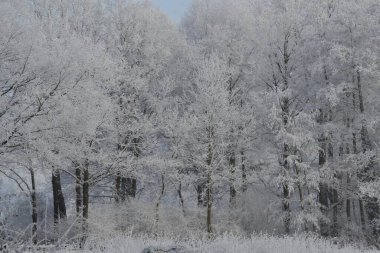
(222, 244)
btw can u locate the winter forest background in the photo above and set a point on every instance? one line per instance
(249, 117)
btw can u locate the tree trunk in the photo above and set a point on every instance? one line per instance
(333, 193)
(335, 200)
(348, 200)
(123, 189)
(181, 198)
(372, 206)
(85, 193)
(286, 192)
(201, 186)
(33, 198)
(243, 172)
(85, 196)
(361, 207)
(361, 102)
(209, 183)
(209, 203)
(362, 215)
(78, 190)
(285, 154)
(286, 208)
(117, 188)
(158, 203)
(58, 198)
(131, 187)
(285, 119)
(232, 163)
(55, 199)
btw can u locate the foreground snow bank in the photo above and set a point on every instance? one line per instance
(222, 244)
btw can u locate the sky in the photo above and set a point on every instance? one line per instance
(175, 9)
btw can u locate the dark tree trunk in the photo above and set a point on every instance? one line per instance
(123, 189)
(232, 163)
(117, 188)
(33, 198)
(361, 207)
(181, 198)
(85, 193)
(158, 203)
(131, 187)
(285, 155)
(324, 202)
(55, 198)
(286, 192)
(362, 214)
(209, 198)
(85, 203)
(335, 200)
(78, 190)
(127, 186)
(285, 107)
(200, 196)
(209, 203)
(361, 102)
(243, 172)
(286, 208)
(58, 198)
(348, 200)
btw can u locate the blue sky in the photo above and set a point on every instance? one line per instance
(175, 9)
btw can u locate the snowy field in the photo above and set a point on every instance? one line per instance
(223, 244)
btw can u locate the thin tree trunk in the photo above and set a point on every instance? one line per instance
(78, 190)
(323, 187)
(85, 195)
(335, 201)
(232, 163)
(361, 207)
(285, 119)
(158, 203)
(361, 102)
(181, 198)
(117, 188)
(209, 183)
(209, 203)
(301, 196)
(362, 215)
(243, 172)
(55, 198)
(285, 187)
(286, 191)
(34, 207)
(123, 189)
(348, 200)
(333, 192)
(286, 208)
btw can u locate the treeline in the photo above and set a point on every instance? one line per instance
(278, 94)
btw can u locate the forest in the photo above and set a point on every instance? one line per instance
(248, 123)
